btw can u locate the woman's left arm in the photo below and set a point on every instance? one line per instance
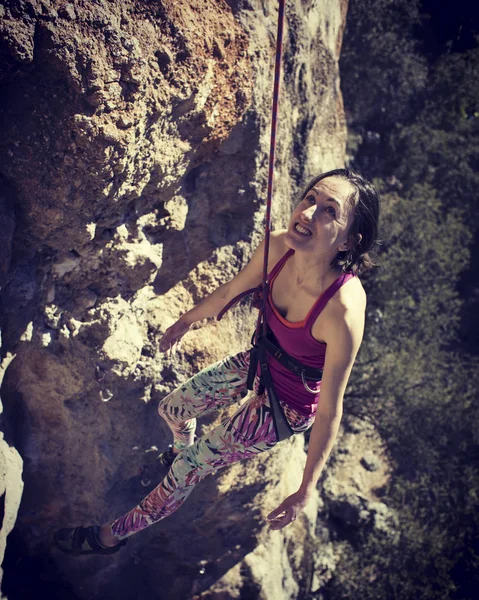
(342, 347)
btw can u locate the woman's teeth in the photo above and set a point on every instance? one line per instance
(302, 230)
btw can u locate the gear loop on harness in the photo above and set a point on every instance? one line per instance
(308, 389)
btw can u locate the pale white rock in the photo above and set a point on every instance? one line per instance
(122, 232)
(91, 230)
(106, 395)
(275, 583)
(75, 326)
(53, 316)
(11, 484)
(28, 333)
(45, 339)
(123, 346)
(178, 209)
(64, 333)
(325, 561)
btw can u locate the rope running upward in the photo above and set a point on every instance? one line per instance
(277, 77)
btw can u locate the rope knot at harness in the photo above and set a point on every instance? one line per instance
(257, 300)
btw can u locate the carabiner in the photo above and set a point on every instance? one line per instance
(308, 389)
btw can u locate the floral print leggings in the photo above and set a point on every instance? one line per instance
(249, 432)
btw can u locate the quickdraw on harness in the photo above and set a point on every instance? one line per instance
(263, 341)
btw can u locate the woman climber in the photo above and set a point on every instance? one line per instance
(315, 312)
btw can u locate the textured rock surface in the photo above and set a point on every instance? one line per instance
(346, 508)
(133, 170)
(350, 509)
(11, 487)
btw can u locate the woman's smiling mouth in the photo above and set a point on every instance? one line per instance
(301, 230)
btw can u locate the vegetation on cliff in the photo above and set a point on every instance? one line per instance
(413, 113)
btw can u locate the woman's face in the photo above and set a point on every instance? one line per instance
(321, 221)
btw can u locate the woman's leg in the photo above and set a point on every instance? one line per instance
(249, 432)
(215, 387)
(299, 423)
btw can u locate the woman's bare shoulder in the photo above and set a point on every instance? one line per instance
(350, 297)
(349, 302)
(343, 316)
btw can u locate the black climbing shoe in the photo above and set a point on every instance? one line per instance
(155, 471)
(80, 541)
(167, 457)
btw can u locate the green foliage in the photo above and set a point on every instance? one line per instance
(385, 70)
(441, 146)
(434, 489)
(425, 249)
(412, 375)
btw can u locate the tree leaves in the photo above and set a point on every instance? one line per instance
(414, 120)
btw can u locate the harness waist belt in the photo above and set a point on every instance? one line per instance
(288, 361)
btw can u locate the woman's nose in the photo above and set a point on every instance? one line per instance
(309, 213)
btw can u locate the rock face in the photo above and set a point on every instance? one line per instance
(11, 487)
(133, 149)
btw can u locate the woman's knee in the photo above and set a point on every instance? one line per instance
(166, 407)
(172, 410)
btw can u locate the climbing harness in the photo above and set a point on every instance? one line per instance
(263, 342)
(267, 344)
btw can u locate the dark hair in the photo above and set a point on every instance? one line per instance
(365, 200)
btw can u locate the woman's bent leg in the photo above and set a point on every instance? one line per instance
(214, 387)
(249, 432)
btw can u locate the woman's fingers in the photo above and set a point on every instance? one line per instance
(275, 513)
(284, 514)
(172, 348)
(172, 336)
(278, 518)
(281, 520)
(167, 341)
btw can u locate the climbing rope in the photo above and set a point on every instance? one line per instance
(264, 286)
(272, 147)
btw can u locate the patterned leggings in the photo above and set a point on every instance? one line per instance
(249, 432)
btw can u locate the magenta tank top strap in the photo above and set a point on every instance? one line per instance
(279, 265)
(326, 297)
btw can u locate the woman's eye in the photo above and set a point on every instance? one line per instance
(311, 199)
(331, 211)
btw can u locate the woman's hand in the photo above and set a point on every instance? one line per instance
(288, 510)
(174, 334)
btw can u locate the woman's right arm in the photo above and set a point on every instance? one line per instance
(249, 277)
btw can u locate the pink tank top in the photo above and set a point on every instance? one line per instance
(296, 339)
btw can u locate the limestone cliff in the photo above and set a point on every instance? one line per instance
(133, 152)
